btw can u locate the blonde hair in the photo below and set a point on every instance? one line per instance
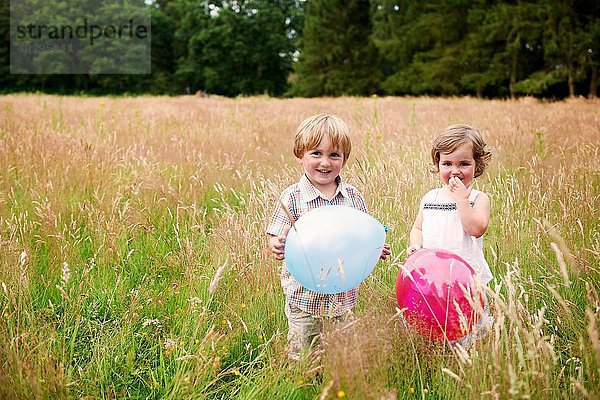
(312, 130)
(455, 136)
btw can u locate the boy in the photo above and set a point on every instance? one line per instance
(322, 146)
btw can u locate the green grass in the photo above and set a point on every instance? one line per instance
(111, 233)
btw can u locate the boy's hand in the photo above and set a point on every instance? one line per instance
(385, 251)
(277, 244)
(412, 248)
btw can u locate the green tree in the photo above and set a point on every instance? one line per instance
(5, 43)
(440, 66)
(337, 56)
(192, 16)
(482, 73)
(164, 49)
(506, 44)
(422, 45)
(591, 42)
(399, 34)
(240, 47)
(568, 44)
(70, 64)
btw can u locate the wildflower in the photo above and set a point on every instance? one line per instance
(236, 373)
(195, 302)
(170, 344)
(228, 323)
(425, 391)
(66, 273)
(341, 394)
(411, 390)
(149, 322)
(272, 314)
(300, 382)
(242, 306)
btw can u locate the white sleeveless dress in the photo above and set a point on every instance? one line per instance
(442, 229)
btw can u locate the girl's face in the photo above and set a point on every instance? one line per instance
(459, 163)
(322, 165)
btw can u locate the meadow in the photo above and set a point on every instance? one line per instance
(133, 261)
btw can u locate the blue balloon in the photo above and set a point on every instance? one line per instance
(332, 249)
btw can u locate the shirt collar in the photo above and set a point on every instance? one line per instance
(308, 192)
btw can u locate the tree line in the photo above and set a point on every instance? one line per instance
(483, 48)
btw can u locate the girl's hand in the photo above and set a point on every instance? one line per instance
(385, 251)
(458, 190)
(412, 248)
(277, 244)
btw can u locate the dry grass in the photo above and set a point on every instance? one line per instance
(147, 200)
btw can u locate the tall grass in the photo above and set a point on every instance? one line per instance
(133, 264)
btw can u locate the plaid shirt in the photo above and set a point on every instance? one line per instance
(300, 198)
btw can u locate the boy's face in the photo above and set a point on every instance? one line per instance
(322, 165)
(459, 163)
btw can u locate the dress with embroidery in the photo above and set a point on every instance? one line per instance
(442, 229)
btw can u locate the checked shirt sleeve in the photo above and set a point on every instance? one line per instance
(279, 220)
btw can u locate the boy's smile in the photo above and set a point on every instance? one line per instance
(322, 166)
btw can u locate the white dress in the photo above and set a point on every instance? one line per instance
(442, 229)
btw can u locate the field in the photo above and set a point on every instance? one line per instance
(133, 261)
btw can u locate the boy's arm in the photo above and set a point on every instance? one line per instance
(279, 225)
(385, 251)
(277, 244)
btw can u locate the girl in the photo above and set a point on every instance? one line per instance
(455, 216)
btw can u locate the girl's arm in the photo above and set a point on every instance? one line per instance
(416, 233)
(475, 220)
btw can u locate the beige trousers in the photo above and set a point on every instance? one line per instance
(304, 329)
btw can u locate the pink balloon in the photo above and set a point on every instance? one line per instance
(437, 291)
